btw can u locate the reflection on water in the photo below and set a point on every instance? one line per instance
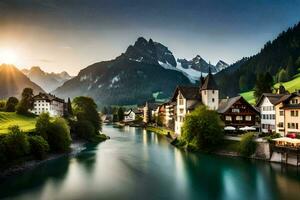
(137, 164)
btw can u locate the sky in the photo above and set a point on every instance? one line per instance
(69, 35)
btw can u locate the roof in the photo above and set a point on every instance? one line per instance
(49, 97)
(286, 97)
(209, 83)
(152, 106)
(225, 104)
(273, 98)
(188, 92)
(194, 105)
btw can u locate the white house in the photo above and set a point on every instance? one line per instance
(48, 103)
(187, 98)
(129, 116)
(266, 104)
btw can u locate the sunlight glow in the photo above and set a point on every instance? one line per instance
(8, 56)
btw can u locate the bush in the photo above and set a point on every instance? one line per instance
(58, 133)
(42, 125)
(84, 129)
(247, 145)
(11, 104)
(39, 146)
(203, 128)
(15, 144)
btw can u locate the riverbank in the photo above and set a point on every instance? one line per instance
(75, 148)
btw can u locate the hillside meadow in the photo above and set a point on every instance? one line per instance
(8, 119)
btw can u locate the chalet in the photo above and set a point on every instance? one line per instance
(187, 98)
(48, 103)
(287, 118)
(149, 112)
(129, 116)
(237, 112)
(266, 105)
(165, 113)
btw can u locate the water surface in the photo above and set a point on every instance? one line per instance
(136, 164)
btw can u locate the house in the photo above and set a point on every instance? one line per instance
(48, 103)
(149, 112)
(165, 114)
(266, 105)
(237, 112)
(129, 116)
(187, 98)
(287, 118)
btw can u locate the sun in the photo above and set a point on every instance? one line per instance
(8, 56)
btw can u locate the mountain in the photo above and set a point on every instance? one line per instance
(147, 70)
(13, 81)
(278, 57)
(48, 81)
(197, 66)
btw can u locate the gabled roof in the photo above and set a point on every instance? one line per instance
(226, 104)
(273, 98)
(209, 83)
(49, 97)
(188, 92)
(286, 97)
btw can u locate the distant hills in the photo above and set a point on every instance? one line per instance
(13, 81)
(48, 81)
(146, 71)
(280, 57)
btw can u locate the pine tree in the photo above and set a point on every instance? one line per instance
(70, 110)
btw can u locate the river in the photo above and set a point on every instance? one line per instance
(136, 164)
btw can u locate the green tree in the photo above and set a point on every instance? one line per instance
(247, 145)
(42, 125)
(39, 146)
(291, 69)
(58, 134)
(15, 144)
(11, 104)
(203, 129)
(86, 109)
(26, 102)
(104, 110)
(84, 130)
(264, 84)
(69, 106)
(115, 117)
(282, 76)
(2, 105)
(243, 83)
(120, 114)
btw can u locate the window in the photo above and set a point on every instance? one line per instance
(281, 112)
(294, 101)
(248, 118)
(239, 118)
(280, 124)
(235, 110)
(228, 118)
(213, 100)
(213, 91)
(181, 111)
(293, 125)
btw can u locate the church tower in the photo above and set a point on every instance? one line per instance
(209, 92)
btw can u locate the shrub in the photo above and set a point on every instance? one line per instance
(39, 146)
(42, 125)
(58, 133)
(15, 144)
(247, 145)
(84, 129)
(203, 128)
(11, 104)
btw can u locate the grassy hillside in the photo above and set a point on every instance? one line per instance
(290, 86)
(8, 119)
(249, 96)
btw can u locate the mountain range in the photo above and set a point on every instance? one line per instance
(13, 81)
(145, 71)
(48, 81)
